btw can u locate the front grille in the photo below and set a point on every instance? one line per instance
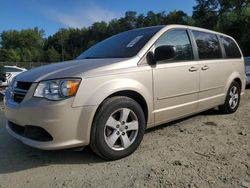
(23, 85)
(31, 132)
(20, 90)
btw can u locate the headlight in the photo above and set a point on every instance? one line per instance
(57, 89)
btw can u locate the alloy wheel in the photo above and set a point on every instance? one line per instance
(121, 129)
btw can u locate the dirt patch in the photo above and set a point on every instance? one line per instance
(206, 150)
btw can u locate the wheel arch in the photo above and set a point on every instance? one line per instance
(239, 82)
(134, 89)
(135, 96)
(234, 77)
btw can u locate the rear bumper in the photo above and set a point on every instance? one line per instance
(69, 127)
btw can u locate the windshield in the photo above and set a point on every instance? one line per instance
(123, 45)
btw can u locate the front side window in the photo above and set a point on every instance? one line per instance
(180, 40)
(231, 49)
(208, 45)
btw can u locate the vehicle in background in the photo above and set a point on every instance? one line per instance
(10, 73)
(2, 78)
(247, 65)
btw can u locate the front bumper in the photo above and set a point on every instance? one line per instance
(69, 127)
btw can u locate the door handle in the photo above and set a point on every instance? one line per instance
(193, 69)
(205, 67)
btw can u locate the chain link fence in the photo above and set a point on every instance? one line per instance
(27, 65)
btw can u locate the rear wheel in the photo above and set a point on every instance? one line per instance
(232, 100)
(118, 128)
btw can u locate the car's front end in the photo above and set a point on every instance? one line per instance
(41, 114)
(40, 109)
(49, 107)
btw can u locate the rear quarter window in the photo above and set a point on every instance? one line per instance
(231, 49)
(208, 45)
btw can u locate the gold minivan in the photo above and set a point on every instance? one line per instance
(113, 91)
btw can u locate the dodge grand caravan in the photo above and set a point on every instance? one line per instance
(113, 91)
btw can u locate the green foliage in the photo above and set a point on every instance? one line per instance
(228, 16)
(25, 45)
(205, 14)
(51, 55)
(237, 25)
(10, 55)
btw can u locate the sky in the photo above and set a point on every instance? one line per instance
(52, 15)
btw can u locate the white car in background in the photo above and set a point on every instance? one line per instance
(11, 72)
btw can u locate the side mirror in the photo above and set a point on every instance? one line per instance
(151, 59)
(164, 53)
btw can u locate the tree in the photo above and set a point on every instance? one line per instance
(228, 16)
(24, 45)
(51, 55)
(177, 17)
(205, 13)
(237, 25)
(12, 55)
(236, 6)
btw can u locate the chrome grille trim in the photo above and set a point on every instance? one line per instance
(18, 94)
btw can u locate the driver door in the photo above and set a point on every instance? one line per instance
(176, 81)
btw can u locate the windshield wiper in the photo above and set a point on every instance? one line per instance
(102, 57)
(89, 57)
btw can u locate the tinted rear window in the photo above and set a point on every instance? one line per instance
(126, 44)
(231, 49)
(208, 45)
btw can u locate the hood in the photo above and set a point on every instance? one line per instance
(64, 69)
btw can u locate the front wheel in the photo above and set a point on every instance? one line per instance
(118, 128)
(232, 100)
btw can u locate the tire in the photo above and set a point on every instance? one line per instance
(118, 128)
(232, 100)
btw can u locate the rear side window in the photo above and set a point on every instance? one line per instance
(208, 45)
(231, 49)
(180, 40)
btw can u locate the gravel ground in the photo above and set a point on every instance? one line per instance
(206, 150)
